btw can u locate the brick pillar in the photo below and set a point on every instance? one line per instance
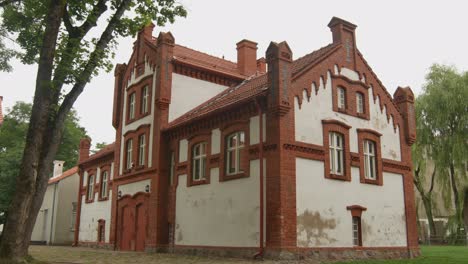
(280, 171)
(158, 224)
(404, 100)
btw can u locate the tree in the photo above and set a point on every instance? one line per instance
(443, 116)
(59, 36)
(12, 139)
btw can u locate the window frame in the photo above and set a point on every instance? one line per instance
(204, 138)
(351, 88)
(341, 98)
(144, 106)
(142, 152)
(335, 126)
(201, 158)
(90, 187)
(360, 104)
(129, 154)
(356, 213)
(357, 232)
(131, 106)
(101, 235)
(104, 169)
(336, 152)
(244, 160)
(365, 135)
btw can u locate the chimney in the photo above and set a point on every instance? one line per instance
(58, 167)
(1, 112)
(247, 57)
(261, 65)
(85, 145)
(404, 100)
(343, 33)
(147, 31)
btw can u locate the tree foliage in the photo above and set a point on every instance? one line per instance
(442, 111)
(12, 140)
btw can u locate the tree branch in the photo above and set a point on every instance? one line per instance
(93, 17)
(67, 22)
(432, 179)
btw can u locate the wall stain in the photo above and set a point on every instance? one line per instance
(179, 236)
(315, 228)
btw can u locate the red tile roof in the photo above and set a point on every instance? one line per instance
(108, 149)
(64, 175)
(248, 89)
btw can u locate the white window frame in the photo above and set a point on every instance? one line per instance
(336, 149)
(104, 184)
(359, 103)
(341, 98)
(131, 106)
(370, 162)
(129, 148)
(141, 149)
(234, 150)
(144, 100)
(356, 231)
(90, 194)
(199, 172)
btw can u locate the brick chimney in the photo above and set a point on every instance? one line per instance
(85, 145)
(404, 100)
(1, 112)
(261, 65)
(343, 33)
(58, 167)
(247, 57)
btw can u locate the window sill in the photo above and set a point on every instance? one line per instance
(228, 177)
(89, 201)
(198, 182)
(343, 110)
(370, 181)
(139, 167)
(338, 177)
(103, 199)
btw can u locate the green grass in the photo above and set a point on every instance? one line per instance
(430, 255)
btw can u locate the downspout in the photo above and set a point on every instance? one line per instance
(52, 215)
(259, 254)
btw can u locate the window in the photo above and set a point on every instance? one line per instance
(104, 184)
(369, 159)
(357, 235)
(234, 145)
(144, 100)
(129, 163)
(172, 169)
(131, 107)
(199, 161)
(336, 153)
(341, 98)
(101, 231)
(73, 216)
(359, 103)
(141, 150)
(90, 194)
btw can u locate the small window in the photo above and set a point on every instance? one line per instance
(104, 184)
(357, 235)
(172, 169)
(101, 231)
(144, 100)
(129, 162)
(131, 106)
(73, 216)
(90, 193)
(369, 159)
(234, 145)
(336, 153)
(359, 103)
(141, 150)
(341, 98)
(199, 161)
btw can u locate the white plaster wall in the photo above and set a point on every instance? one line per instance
(255, 129)
(134, 187)
(215, 141)
(187, 93)
(219, 213)
(183, 148)
(349, 73)
(308, 121)
(39, 233)
(324, 221)
(67, 194)
(90, 214)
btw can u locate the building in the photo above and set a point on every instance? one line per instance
(55, 223)
(310, 158)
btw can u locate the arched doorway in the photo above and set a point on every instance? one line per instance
(132, 215)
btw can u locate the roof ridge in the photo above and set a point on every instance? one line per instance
(202, 52)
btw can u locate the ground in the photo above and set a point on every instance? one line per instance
(69, 255)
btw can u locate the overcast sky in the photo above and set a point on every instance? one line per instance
(399, 39)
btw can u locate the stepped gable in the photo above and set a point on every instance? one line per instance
(246, 90)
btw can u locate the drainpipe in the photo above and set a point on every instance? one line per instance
(259, 254)
(52, 216)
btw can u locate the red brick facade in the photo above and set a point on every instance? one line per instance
(272, 93)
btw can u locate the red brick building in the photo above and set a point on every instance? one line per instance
(277, 156)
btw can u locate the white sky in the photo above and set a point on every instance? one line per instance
(399, 39)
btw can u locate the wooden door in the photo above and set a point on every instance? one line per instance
(127, 241)
(141, 222)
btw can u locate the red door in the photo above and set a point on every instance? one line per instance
(140, 227)
(128, 229)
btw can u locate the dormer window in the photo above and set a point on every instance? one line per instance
(341, 98)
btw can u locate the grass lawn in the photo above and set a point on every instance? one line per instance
(69, 255)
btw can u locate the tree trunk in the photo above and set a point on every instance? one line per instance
(31, 181)
(465, 210)
(427, 203)
(426, 198)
